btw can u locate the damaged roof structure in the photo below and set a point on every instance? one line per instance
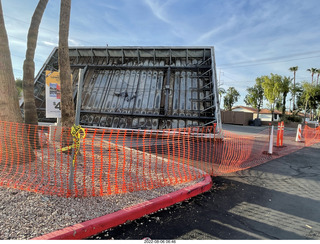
(140, 87)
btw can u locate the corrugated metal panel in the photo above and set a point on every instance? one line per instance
(141, 87)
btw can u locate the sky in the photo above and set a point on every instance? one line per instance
(251, 38)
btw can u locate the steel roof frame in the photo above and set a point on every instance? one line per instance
(198, 63)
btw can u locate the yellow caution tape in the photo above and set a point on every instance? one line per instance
(77, 132)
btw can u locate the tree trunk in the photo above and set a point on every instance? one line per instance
(13, 138)
(284, 105)
(294, 91)
(305, 111)
(30, 111)
(258, 114)
(67, 103)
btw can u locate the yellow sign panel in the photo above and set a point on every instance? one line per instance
(52, 77)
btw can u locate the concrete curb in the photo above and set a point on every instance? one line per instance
(97, 225)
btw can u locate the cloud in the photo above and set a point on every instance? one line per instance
(213, 33)
(50, 44)
(158, 8)
(17, 42)
(177, 24)
(243, 32)
(104, 5)
(73, 42)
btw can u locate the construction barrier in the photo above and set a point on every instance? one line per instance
(103, 162)
(311, 135)
(109, 161)
(298, 136)
(280, 134)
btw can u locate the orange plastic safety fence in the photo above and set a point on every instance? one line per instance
(311, 135)
(115, 161)
(110, 161)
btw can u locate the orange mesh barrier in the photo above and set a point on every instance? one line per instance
(110, 161)
(311, 135)
(115, 161)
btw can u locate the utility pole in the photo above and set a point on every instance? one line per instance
(219, 84)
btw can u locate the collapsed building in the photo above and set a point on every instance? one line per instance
(140, 87)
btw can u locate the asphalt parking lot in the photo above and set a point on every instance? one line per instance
(276, 200)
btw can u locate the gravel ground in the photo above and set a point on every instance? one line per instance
(27, 214)
(24, 215)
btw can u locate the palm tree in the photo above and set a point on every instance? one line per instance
(9, 106)
(318, 74)
(284, 89)
(312, 71)
(30, 111)
(67, 104)
(294, 70)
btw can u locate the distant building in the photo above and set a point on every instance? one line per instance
(264, 115)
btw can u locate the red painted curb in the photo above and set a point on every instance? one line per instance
(97, 225)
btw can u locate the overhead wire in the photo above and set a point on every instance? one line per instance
(273, 58)
(257, 64)
(44, 28)
(241, 64)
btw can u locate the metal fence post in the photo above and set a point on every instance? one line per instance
(77, 121)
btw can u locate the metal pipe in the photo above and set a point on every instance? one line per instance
(167, 87)
(160, 116)
(77, 121)
(96, 66)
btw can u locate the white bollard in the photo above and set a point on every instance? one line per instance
(270, 151)
(298, 136)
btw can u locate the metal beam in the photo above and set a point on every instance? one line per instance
(160, 116)
(81, 66)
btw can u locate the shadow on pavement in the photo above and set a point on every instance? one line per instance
(277, 200)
